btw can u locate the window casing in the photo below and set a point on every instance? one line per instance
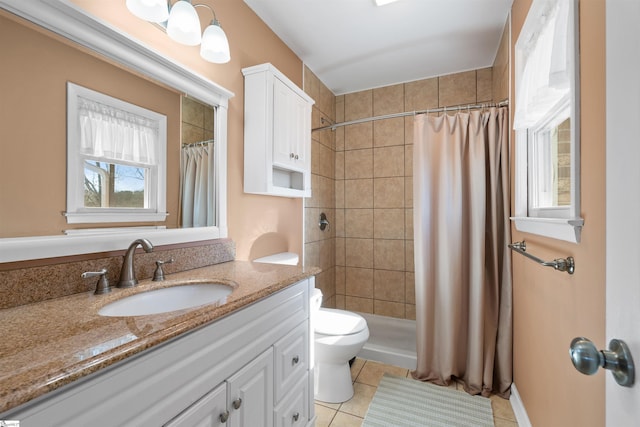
(116, 160)
(547, 122)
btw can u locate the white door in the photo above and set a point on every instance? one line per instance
(623, 199)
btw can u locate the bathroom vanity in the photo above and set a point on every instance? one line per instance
(246, 362)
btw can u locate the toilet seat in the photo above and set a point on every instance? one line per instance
(333, 322)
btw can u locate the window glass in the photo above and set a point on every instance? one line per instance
(113, 185)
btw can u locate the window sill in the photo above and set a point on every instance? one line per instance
(100, 217)
(567, 229)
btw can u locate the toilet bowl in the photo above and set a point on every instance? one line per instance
(338, 337)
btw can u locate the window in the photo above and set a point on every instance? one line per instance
(546, 122)
(116, 160)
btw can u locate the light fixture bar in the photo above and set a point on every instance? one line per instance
(383, 2)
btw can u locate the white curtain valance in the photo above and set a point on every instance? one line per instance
(116, 134)
(545, 79)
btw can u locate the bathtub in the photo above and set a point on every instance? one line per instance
(391, 341)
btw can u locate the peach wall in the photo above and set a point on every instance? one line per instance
(258, 224)
(551, 308)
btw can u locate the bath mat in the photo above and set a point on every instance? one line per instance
(404, 402)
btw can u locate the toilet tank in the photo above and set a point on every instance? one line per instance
(284, 258)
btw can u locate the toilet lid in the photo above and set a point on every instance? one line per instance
(330, 321)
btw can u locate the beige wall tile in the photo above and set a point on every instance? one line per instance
(358, 193)
(388, 100)
(339, 167)
(410, 311)
(312, 231)
(409, 287)
(339, 138)
(338, 223)
(339, 193)
(326, 161)
(388, 308)
(408, 130)
(388, 254)
(409, 260)
(389, 286)
(408, 192)
(340, 280)
(408, 224)
(359, 282)
(363, 305)
(358, 136)
(358, 164)
(388, 161)
(408, 160)
(421, 94)
(325, 281)
(388, 192)
(457, 89)
(315, 157)
(340, 108)
(388, 132)
(358, 105)
(359, 252)
(340, 251)
(359, 223)
(340, 302)
(484, 84)
(389, 224)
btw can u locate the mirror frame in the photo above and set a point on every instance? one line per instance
(71, 22)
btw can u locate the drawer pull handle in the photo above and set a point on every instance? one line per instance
(295, 417)
(237, 403)
(224, 416)
(295, 360)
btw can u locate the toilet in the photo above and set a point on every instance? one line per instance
(338, 337)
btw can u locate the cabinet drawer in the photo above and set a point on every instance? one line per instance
(293, 411)
(206, 411)
(291, 354)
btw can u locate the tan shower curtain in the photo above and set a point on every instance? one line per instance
(462, 263)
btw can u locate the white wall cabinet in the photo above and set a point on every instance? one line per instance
(248, 369)
(277, 134)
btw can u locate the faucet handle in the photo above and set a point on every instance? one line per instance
(158, 275)
(102, 287)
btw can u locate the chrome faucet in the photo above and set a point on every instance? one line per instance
(127, 274)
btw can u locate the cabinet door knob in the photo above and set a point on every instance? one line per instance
(296, 416)
(295, 360)
(237, 403)
(224, 416)
(292, 155)
(296, 157)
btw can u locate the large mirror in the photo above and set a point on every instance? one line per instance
(34, 134)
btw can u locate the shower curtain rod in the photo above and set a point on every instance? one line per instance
(195, 144)
(410, 113)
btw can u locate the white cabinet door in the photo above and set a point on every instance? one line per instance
(291, 127)
(250, 393)
(210, 411)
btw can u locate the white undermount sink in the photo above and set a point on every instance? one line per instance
(168, 299)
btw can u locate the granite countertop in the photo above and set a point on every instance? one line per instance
(48, 344)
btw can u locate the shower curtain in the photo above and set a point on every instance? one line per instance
(197, 190)
(462, 263)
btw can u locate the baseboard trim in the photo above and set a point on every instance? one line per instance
(518, 408)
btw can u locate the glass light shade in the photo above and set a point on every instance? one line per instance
(184, 24)
(215, 46)
(149, 10)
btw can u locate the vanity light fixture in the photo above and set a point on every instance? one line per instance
(182, 24)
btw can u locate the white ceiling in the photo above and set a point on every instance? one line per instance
(352, 45)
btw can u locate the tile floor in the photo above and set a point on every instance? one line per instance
(366, 374)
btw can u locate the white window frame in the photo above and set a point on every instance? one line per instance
(155, 183)
(564, 223)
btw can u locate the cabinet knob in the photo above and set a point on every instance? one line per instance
(296, 416)
(237, 403)
(224, 416)
(296, 157)
(292, 155)
(295, 360)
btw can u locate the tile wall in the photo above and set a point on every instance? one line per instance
(371, 205)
